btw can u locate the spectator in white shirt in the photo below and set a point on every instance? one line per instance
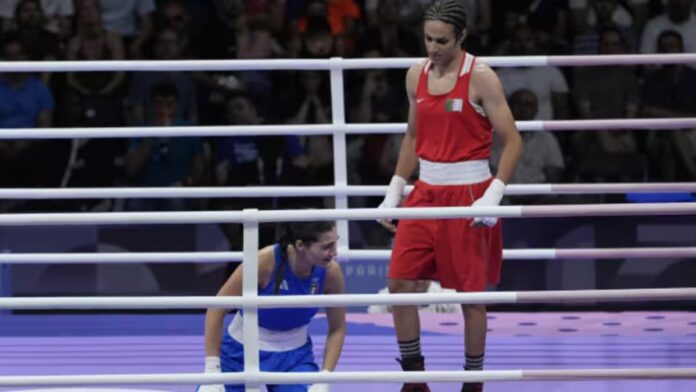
(548, 83)
(132, 20)
(678, 16)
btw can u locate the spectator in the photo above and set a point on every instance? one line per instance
(255, 41)
(58, 15)
(380, 101)
(389, 37)
(39, 43)
(316, 41)
(548, 19)
(678, 16)
(245, 161)
(176, 16)
(25, 102)
(131, 20)
(239, 160)
(234, 37)
(669, 92)
(613, 155)
(607, 91)
(341, 16)
(479, 23)
(219, 40)
(309, 101)
(603, 16)
(623, 14)
(410, 11)
(541, 160)
(312, 106)
(168, 46)
(95, 98)
(548, 83)
(267, 12)
(165, 161)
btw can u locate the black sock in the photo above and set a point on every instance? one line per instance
(474, 362)
(410, 349)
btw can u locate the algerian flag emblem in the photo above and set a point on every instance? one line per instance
(454, 105)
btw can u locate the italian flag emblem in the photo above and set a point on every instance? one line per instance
(454, 105)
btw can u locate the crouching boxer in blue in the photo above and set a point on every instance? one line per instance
(302, 263)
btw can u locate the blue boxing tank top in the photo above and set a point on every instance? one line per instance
(283, 319)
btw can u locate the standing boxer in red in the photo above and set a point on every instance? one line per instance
(455, 103)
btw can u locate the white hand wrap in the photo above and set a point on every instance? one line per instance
(320, 387)
(393, 197)
(212, 365)
(492, 197)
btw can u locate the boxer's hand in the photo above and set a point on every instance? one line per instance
(392, 200)
(212, 365)
(492, 197)
(320, 387)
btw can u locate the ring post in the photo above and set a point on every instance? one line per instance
(250, 283)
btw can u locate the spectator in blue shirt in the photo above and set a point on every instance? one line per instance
(164, 161)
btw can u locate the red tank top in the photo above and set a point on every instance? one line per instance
(448, 127)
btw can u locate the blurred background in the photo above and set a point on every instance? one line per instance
(42, 30)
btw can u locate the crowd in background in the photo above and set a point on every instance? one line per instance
(42, 30)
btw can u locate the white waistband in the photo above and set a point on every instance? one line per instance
(454, 173)
(270, 340)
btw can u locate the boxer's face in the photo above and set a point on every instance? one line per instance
(441, 42)
(320, 252)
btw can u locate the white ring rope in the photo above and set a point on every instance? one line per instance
(326, 129)
(342, 300)
(348, 377)
(325, 190)
(599, 125)
(371, 254)
(328, 64)
(251, 218)
(124, 218)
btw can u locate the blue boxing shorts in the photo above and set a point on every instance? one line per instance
(300, 359)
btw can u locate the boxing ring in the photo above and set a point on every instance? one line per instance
(641, 351)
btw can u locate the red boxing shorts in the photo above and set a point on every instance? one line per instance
(461, 257)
